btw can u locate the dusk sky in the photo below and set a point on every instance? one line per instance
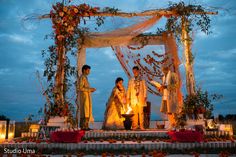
(21, 45)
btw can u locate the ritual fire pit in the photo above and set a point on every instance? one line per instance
(128, 120)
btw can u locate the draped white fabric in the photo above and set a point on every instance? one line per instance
(81, 59)
(120, 36)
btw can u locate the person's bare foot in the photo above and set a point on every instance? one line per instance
(142, 128)
(136, 128)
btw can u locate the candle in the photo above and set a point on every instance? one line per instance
(11, 130)
(3, 125)
(10, 135)
(2, 136)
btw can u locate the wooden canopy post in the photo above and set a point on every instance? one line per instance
(187, 43)
(60, 76)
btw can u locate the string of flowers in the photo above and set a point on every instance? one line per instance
(150, 68)
(158, 55)
(135, 48)
(150, 60)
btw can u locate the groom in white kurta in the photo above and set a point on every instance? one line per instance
(137, 97)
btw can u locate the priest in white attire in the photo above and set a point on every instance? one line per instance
(168, 88)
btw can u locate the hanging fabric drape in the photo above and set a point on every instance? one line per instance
(120, 36)
(171, 48)
(81, 58)
(119, 56)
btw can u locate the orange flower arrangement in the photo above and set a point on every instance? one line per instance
(66, 18)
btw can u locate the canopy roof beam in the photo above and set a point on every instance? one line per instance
(158, 12)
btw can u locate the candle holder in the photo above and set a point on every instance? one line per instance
(128, 120)
(3, 130)
(11, 130)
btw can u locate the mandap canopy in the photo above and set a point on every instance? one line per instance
(131, 45)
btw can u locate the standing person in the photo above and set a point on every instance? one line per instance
(115, 106)
(85, 101)
(137, 97)
(169, 104)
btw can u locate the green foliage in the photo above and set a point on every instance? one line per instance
(200, 103)
(195, 15)
(34, 117)
(3, 117)
(110, 10)
(100, 21)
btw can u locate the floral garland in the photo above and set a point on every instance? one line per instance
(158, 55)
(151, 71)
(150, 60)
(135, 48)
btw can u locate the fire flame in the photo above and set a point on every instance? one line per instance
(129, 109)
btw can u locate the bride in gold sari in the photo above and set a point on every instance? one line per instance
(115, 107)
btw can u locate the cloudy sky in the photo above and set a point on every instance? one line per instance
(21, 44)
